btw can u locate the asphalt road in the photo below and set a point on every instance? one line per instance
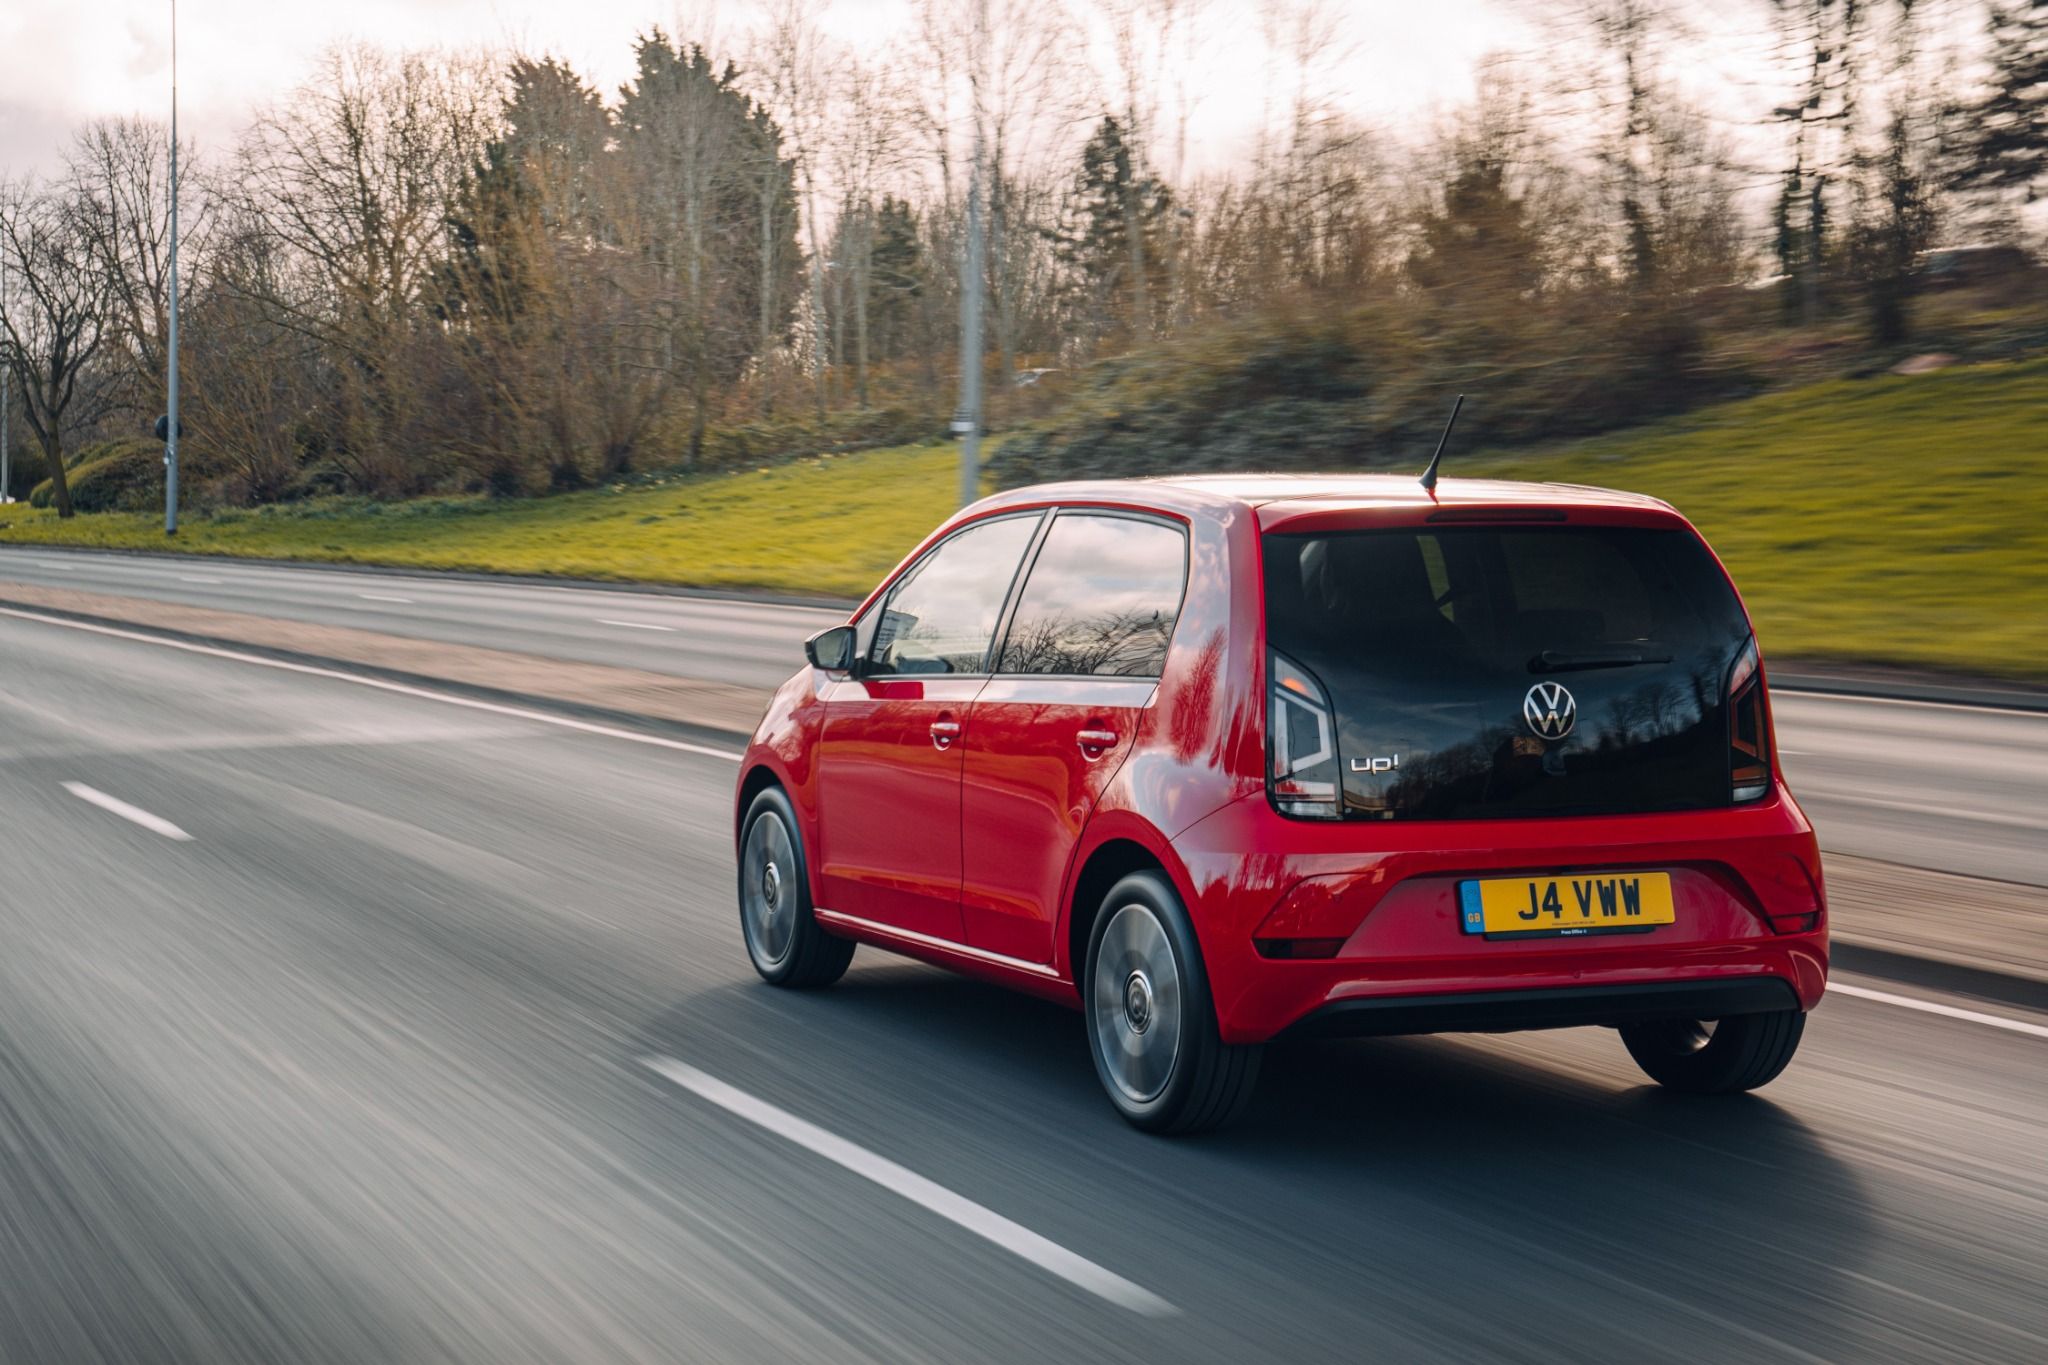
(1956, 789)
(355, 1070)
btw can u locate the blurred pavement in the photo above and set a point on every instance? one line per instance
(353, 1072)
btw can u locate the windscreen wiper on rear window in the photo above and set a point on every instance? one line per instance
(1569, 660)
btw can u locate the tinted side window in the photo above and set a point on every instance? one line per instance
(941, 615)
(1101, 599)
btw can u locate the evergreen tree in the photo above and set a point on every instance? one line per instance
(2005, 144)
(708, 172)
(559, 131)
(1094, 235)
(489, 267)
(897, 271)
(1480, 244)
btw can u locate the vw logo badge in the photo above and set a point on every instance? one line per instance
(1550, 710)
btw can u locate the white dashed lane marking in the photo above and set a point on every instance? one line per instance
(155, 824)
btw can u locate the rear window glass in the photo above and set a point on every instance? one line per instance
(1101, 598)
(1428, 642)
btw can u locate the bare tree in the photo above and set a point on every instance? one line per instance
(801, 75)
(119, 175)
(1017, 89)
(355, 175)
(865, 149)
(55, 322)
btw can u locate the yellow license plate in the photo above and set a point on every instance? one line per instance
(1601, 903)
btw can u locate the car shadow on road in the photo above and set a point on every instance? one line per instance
(1437, 1164)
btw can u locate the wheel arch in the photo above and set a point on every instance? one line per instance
(757, 778)
(1108, 856)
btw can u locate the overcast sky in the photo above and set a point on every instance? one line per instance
(1404, 61)
(61, 63)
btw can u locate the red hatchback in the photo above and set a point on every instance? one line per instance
(1225, 759)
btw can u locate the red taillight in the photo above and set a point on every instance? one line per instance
(1749, 758)
(1301, 743)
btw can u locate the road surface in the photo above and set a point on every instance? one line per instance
(326, 1016)
(1956, 789)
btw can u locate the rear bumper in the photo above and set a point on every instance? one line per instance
(1379, 904)
(1559, 1007)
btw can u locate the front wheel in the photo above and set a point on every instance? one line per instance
(1151, 1023)
(785, 942)
(1721, 1057)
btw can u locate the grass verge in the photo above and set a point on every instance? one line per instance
(827, 526)
(1891, 520)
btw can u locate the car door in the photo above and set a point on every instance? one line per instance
(889, 754)
(1080, 661)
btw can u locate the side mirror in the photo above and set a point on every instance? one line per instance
(831, 649)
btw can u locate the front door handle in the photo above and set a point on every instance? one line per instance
(1095, 743)
(944, 732)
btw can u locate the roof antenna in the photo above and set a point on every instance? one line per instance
(1429, 474)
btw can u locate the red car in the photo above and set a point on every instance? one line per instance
(1227, 759)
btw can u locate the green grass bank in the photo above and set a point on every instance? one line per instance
(1889, 520)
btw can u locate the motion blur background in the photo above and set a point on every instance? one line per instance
(506, 252)
(324, 1005)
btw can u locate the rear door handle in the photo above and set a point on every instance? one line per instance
(1093, 742)
(944, 732)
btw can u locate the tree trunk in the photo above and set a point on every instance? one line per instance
(60, 484)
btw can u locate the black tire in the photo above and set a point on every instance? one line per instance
(1724, 1057)
(784, 941)
(1198, 1082)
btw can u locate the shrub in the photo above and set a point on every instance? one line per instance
(127, 476)
(1369, 386)
(746, 443)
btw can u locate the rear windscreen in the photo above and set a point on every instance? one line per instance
(1502, 671)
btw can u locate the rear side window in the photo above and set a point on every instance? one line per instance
(1102, 598)
(941, 615)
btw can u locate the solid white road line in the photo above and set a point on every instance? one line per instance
(1986, 817)
(1011, 1237)
(1990, 707)
(634, 625)
(383, 597)
(155, 824)
(402, 689)
(194, 578)
(1945, 1011)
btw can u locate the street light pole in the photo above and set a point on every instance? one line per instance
(171, 424)
(6, 374)
(967, 423)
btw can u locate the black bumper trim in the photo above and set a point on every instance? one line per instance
(1554, 1007)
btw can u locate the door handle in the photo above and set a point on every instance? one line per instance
(1093, 742)
(944, 732)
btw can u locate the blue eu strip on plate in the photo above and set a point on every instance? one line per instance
(1474, 919)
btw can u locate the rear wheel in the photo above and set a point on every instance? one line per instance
(1151, 1023)
(785, 942)
(1718, 1057)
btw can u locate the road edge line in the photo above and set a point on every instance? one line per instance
(523, 706)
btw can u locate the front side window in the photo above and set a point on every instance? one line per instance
(1102, 598)
(941, 615)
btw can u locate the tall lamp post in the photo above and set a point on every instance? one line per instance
(6, 374)
(973, 279)
(171, 415)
